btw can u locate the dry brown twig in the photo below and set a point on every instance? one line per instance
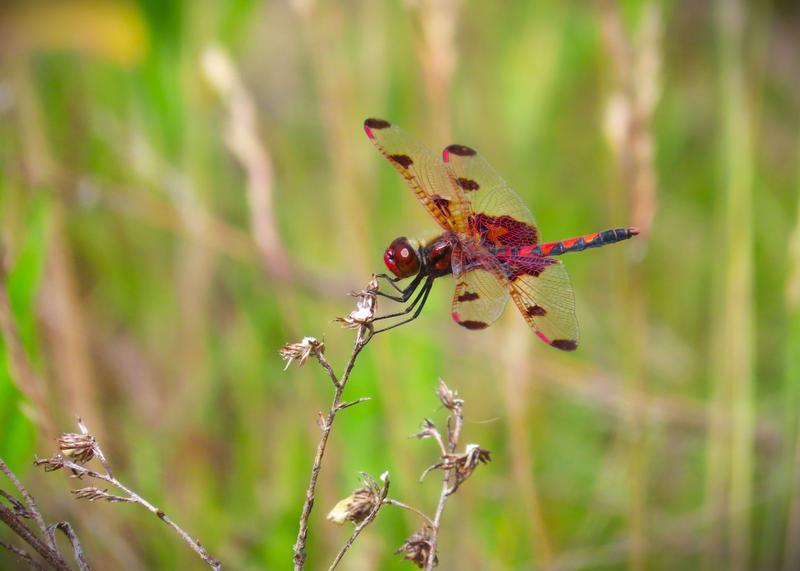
(46, 546)
(362, 506)
(360, 319)
(77, 449)
(456, 467)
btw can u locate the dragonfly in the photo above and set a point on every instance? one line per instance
(489, 243)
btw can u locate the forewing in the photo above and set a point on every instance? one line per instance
(479, 299)
(422, 170)
(543, 293)
(497, 215)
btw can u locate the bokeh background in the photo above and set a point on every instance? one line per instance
(186, 186)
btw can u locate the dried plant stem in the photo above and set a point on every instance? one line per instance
(448, 487)
(31, 503)
(32, 563)
(77, 550)
(360, 527)
(136, 498)
(48, 553)
(437, 521)
(399, 504)
(336, 405)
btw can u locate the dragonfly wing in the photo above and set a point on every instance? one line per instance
(543, 293)
(479, 299)
(499, 217)
(423, 172)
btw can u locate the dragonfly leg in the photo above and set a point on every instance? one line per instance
(410, 307)
(392, 281)
(426, 289)
(405, 294)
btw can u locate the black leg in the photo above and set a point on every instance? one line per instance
(392, 281)
(408, 309)
(405, 294)
(423, 297)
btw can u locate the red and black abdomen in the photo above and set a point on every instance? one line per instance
(584, 242)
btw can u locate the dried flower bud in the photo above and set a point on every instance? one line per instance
(429, 430)
(449, 397)
(301, 351)
(91, 494)
(366, 306)
(357, 506)
(461, 466)
(51, 464)
(464, 464)
(80, 448)
(417, 548)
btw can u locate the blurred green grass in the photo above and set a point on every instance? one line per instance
(143, 302)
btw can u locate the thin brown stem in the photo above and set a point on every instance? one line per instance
(360, 527)
(49, 554)
(336, 405)
(80, 470)
(448, 487)
(77, 550)
(24, 556)
(31, 503)
(399, 504)
(437, 520)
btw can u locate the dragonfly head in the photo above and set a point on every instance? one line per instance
(401, 258)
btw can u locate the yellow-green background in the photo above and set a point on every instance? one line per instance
(667, 441)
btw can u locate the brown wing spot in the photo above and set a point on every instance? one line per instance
(564, 344)
(468, 184)
(442, 203)
(468, 296)
(469, 324)
(461, 150)
(373, 123)
(536, 311)
(403, 160)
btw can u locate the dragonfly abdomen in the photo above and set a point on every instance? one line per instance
(579, 243)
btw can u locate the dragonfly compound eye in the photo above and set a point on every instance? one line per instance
(401, 258)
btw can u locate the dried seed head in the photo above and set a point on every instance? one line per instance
(473, 455)
(358, 505)
(355, 507)
(91, 494)
(51, 464)
(449, 397)
(366, 306)
(80, 448)
(463, 465)
(428, 430)
(301, 351)
(417, 548)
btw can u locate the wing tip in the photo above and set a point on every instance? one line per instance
(375, 123)
(459, 150)
(469, 323)
(563, 344)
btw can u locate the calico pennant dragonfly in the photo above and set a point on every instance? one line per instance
(490, 243)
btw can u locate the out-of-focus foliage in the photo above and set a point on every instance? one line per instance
(136, 274)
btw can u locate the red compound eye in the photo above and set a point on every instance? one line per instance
(401, 258)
